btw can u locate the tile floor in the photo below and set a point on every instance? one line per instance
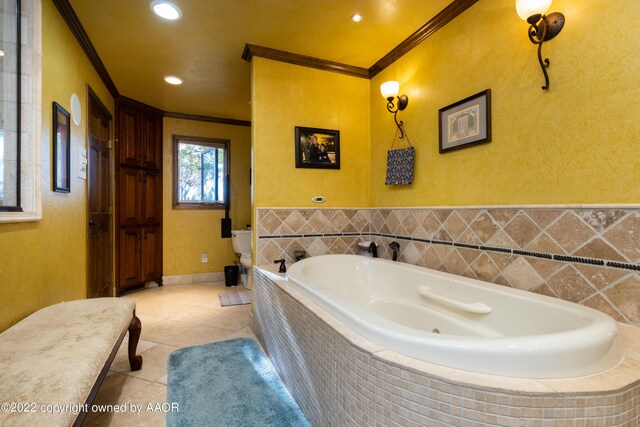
(172, 317)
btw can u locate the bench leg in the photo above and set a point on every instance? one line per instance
(135, 327)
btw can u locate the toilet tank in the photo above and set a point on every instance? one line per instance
(241, 241)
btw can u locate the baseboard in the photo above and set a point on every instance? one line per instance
(190, 279)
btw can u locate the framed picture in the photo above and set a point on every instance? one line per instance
(466, 123)
(317, 148)
(61, 143)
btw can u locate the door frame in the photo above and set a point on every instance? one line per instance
(93, 101)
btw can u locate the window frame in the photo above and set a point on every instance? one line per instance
(30, 116)
(206, 142)
(18, 105)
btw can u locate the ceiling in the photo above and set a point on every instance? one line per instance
(204, 47)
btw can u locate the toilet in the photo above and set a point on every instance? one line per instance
(241, 241)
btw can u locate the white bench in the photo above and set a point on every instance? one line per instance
(53, 362)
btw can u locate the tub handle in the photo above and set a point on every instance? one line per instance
(477, 307)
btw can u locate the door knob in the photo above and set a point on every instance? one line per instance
(92, 222)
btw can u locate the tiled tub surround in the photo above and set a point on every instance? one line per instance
(340, 379)
(590, 255)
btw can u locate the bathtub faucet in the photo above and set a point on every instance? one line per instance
(283, 268)
(373, 249)
(395, 248)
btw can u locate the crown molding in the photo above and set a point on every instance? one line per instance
(210, 119)
(440, 20)
(123, 100)
(150, 109)
(70, 17)
(445, 16)
(251, 50)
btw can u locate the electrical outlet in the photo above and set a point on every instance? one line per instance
(205, 257)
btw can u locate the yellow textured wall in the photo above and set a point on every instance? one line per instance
(575, 143)
(285, 96)
(44, 262)
(188, 233)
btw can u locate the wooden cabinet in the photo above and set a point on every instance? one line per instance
(140, 255)
(128, 258)
(139, 194)
(151, 253)
(151, 152)
(139, 132)
(141, 201)
(151, 182)
(129, 135)
(129, 197)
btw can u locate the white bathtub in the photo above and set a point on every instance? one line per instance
(461, 323)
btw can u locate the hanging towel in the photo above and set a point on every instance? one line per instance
(400, 164)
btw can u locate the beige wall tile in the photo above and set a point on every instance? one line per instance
(484, 226)
(601, 304)
(586, 233)
(570, 232)
(569, 285)
(625, 236)
(598, 248)
(522, 230)
(455, 226)
(601, 277)
(521, 275)
(600, 219)
(626, 296)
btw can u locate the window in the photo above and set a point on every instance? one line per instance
(20, 110)
(201, 166)
(9, 108)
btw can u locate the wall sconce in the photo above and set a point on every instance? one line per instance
(542, 27)
(390, 91)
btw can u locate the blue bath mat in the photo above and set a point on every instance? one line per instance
(228, 383)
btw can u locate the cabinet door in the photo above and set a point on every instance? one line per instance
(129, 257)
(151, 198)
(152, 141)
(129, 137)
(151, 253)
(129, 197)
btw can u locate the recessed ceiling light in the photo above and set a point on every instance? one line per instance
(1, 53)
(173, 80)
(166, 10)
(356, 17)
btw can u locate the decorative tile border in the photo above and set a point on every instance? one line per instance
(557, 257)
(589, 256)
(336, 382)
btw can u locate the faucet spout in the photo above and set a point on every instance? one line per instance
(395, 248)
(373, 249)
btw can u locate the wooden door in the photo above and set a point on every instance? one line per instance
(99, 173)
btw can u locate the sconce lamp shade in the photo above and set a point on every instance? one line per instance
(527, 8)
(390, 89)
